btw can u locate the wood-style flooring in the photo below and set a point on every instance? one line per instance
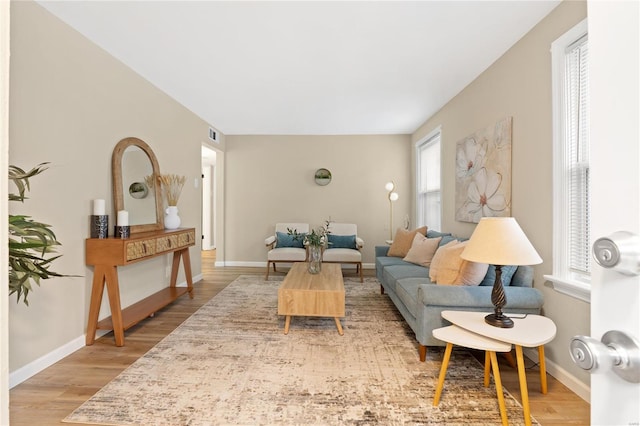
(49, 396)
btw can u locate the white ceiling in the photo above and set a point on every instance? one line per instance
(307, 67)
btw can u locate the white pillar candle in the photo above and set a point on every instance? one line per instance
(98, 207)
(123, 218)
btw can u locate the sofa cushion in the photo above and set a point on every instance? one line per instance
(402, 241)
(435, 234)
(447, 239)
(407, 291)
(392, 273)
(287, 240)
(422, 250)
(507, 275)
(384, 261)
(342, 241)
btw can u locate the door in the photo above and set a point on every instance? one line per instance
(615, 165)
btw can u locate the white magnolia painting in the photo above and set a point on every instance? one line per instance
(483, 173)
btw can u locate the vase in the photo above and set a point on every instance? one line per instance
(171, 218)
(315, 259)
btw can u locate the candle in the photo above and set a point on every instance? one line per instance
(98, 207)
(123, 218)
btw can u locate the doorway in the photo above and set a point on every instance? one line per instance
(208, 198)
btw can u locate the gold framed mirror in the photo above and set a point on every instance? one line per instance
(132, 161)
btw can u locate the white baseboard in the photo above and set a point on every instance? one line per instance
(563, 376)
(47, 360)
(23, 373)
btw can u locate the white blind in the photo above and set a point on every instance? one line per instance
(577, 155)
(428, 201)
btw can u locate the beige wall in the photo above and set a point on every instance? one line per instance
(270, 179)
(519, 85)
(70, 104)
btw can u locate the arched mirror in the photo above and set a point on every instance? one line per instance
(135, 169)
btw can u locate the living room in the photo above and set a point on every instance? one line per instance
(84, 101)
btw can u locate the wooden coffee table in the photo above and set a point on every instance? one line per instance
(312, 295)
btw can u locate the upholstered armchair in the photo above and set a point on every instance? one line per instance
(283, 247)
(344, 246)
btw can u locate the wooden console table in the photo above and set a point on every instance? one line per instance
(109, 253)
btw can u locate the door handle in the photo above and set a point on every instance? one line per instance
(616, 351)
(619, 251)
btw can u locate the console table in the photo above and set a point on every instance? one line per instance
(109, 253)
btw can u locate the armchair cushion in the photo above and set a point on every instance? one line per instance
(285, 240)
(342, 241)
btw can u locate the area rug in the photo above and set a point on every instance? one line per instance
(230, 363)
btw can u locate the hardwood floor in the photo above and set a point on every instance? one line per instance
(49, 396)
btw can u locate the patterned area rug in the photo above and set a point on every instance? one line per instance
(230, 363)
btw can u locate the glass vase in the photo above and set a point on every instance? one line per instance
(315, 259)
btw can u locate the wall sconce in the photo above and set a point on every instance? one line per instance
(392, 196)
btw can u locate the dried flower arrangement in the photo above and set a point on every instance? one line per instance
(172, 187)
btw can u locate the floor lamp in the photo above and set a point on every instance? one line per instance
(392, 196)
(499, 241)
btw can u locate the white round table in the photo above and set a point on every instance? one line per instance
(529, 331)
(455, 335)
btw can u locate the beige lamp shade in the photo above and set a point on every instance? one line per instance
(500, 241)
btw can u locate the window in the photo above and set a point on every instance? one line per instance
(428, 181)
(571, 227)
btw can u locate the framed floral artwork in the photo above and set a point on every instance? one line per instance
(483, 173)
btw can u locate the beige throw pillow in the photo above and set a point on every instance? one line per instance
(440, 258)
(403, 240)
(422, 250)
(471, 273)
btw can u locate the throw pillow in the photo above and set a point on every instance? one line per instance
(471, 273)
(507, 275)
(402, 241)
(342, 241)
(439, 259)
(285, 240)
(422, 250)
(435, 234)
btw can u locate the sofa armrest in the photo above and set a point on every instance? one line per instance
(382, 251)
(478, 297)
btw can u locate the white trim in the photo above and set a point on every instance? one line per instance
(563, 376)
(437, 131)
(562, 284)
(5, 33)
(571, 288)
(47, 360)
(429, 135)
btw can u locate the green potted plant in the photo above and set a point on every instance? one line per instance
(30, 242)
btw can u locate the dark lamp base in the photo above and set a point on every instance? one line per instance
(500, 320)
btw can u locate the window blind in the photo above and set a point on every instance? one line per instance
(577, 155)
(428, 202)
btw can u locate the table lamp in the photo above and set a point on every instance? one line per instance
(499, 241)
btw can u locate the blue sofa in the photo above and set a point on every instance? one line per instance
(421, 302)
